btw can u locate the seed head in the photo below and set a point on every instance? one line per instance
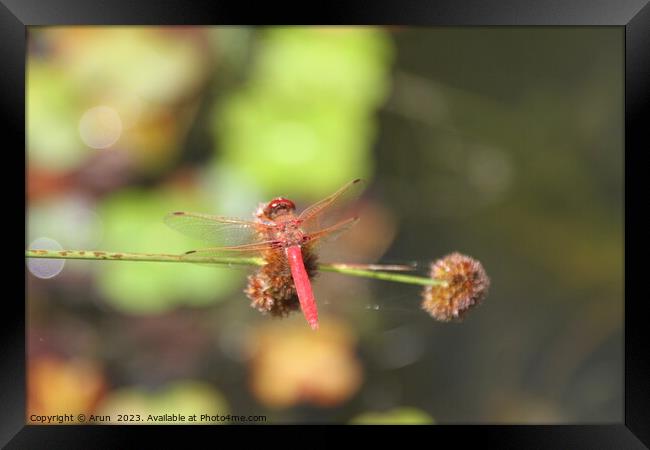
(466, 286)
(271, 289)
(272, 294)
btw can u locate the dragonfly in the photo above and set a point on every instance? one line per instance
(287, 241)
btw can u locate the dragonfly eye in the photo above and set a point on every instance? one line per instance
(278, 207)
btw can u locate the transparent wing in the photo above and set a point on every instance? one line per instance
(247, 250)
(331, 209)
(237, 256)
(376, 267)
(216, 229)
(331, 233)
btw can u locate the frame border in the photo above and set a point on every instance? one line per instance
(632, 15)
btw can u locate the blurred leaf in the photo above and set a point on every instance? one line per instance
(344, 67)
(156, 65)
(57, 386)
(148, 76)
(292, 365)
(181, 398)
(52, 118)
(397, 416)
(304, 121)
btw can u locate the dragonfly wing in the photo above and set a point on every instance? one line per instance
(331, 233)
(202, 256)
(376, 267)
(216, 229)
(220, 256)
(331, 209)
(237, 250)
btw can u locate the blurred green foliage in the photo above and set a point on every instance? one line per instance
(52, 105)
(396, 416)
(303, 120)
(142, 74)
(133, 220)
(184, 397)
(160, 68)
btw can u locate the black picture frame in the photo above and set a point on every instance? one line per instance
(632, 15)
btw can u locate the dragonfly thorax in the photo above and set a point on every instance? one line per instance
(288, 233)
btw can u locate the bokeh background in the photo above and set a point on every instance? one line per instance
(505, 144)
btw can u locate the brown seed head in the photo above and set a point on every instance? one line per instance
(271, 289)
(466, 286)
(272, 294)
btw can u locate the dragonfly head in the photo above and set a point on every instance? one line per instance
(279, 207)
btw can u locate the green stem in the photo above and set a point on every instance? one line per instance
(388, 276)
(151, 257)
(188, 258)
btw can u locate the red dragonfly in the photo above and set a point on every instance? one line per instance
(285, 240)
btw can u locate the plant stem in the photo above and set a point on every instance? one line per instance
(151, 257)
(345, 269)
(388, 276)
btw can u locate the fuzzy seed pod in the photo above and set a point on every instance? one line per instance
(271, 289)
(467, 286)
